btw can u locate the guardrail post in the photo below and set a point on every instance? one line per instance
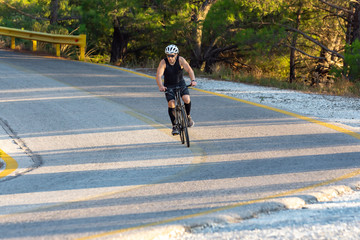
(12, 42)
(34, 45)
(82, 54)
(57, 50)
(82, 46)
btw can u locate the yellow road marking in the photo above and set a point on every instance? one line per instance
(10, 164)
(239, 204)
(328, 125)
(127, 70)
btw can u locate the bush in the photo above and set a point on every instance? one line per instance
(352, 60)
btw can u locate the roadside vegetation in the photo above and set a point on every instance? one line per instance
(306, 45)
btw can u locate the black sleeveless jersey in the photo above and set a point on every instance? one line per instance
(173, 74)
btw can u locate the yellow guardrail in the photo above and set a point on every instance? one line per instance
(57, 39)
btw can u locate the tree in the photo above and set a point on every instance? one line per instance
(54, 11)
(197, 19)
(309, 29)
(97, 23)
(138, 24)
(350, 13)
(52, 15)
(252, 28)
(294, 39)
(120, 40)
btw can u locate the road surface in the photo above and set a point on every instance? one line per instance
(97, 158)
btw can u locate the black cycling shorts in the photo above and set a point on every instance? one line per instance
(170, 93)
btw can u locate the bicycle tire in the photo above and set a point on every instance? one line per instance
(179, 125)
(184, 124)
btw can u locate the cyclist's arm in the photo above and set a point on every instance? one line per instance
(187, 68)
(159, 74)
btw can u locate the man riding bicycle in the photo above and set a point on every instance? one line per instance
(171, 68)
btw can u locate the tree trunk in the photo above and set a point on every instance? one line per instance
(199, 18)
(352, 32)
(54, 11)
(292, 76)
(119, 43)
(353, 24)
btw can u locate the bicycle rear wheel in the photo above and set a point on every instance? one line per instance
(184, 128)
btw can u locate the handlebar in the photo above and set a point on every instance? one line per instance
(177, 87)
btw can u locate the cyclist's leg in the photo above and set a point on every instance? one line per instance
(170, 97)
(185, 95)
(186, 98)
(171, 109)
(171, 104)
(187, 104)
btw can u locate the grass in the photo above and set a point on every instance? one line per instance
(228, 75)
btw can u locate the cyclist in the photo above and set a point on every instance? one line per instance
(171, 68)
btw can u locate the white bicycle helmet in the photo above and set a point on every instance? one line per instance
(171, 49)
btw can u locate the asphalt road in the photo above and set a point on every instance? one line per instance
(100, 158)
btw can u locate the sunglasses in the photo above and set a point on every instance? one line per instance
(170, 56)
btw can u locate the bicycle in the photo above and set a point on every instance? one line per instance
(181, 120)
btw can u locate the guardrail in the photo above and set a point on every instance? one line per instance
(57, 39)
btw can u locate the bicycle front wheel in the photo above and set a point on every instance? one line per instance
(184, 128)
(179, 120)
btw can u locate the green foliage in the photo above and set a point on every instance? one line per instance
(36, 17)
(103, 59)
(97, 22)
(141, 20)
(355, 89)
(222, 17)
(261, 41)
(258, 32)
(352, 60)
